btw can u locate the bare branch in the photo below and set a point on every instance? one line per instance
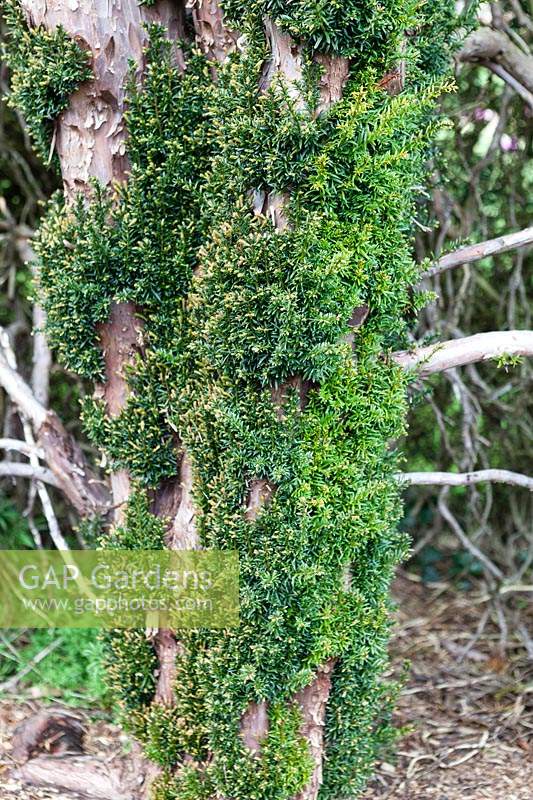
(521, 90)
(21, 447)
(83, 489)
(475, 252)
(463, 538)
(14, 469)
(87, 776)
(21, 394)
(466, 478)
(47, 506)
(467, 350)
(486, 45)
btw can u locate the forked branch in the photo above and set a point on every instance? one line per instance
(490, 47)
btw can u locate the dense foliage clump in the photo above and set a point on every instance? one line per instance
(367, 31)
(250, 366)
(46, 68)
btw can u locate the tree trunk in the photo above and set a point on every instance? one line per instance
(285, 169)
(90, 140)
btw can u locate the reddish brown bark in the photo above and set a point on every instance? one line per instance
(334, 76)
(90, 140)
(215, 40)
(312, 702)
(90, 133)
(121, 342)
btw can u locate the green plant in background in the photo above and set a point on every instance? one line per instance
(70, 669)
(236, 313)
(15, 533)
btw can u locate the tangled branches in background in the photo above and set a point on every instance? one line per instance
(480, 416)
(30, 513)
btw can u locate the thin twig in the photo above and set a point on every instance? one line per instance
(463, 538)
(515, 84)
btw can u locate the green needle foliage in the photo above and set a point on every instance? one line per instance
(46, 69)
(235, 312)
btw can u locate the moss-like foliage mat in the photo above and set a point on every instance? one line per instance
(233, 309)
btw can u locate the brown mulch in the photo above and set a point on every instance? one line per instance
(466, 710)
(468, 715)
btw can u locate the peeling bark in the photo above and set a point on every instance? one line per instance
(121, 343)
(167, 649)
(334, 76)
(394, 80)
(183, 534)
(214, 39)
(254, 726)
(254, 722)
(287, 61)
(90, 133)
(119, 353)
(90, 139)
(312, 702)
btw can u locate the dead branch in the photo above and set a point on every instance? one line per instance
(475, 252)
(48, 749)
(42, 356)
(464, 539)
(21, 394)
(488, 47)
(13, 469)
(466, 478)
(21, 447)
(71, 473)
(502, 73)
(467, 350)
